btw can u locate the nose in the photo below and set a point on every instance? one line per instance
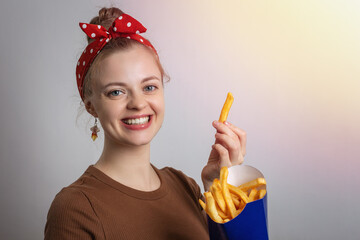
(136, 101)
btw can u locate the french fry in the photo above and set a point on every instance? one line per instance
(203, 205)
(253, 194)
(242, 205)
(262, 193)
(226, 108)
(211, 208)
(239, 211)
(236, 200)
(239, 193)
(217, 194)
(222, 214)
(226, 193)
(253, 184)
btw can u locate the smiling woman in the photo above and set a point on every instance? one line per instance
(124, 196)
(131, 90)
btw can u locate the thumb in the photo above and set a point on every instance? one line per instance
(224, 159)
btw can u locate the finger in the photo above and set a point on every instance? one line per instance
(222, 128)
(241, 134)
(224, 159)
(240, 159)
(233, 146)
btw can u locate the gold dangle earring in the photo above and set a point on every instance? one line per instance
(94, 131)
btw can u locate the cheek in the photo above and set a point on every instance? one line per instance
(159, 104)
(156, 103)
(110, 112)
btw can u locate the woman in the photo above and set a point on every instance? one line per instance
(123, 196)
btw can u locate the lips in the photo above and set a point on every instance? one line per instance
(137, 122)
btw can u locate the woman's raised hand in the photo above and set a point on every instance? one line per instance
(228, 150)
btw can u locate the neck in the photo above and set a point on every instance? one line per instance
(129, 165)
(117, 155)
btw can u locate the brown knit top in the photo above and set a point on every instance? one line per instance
(98, 207)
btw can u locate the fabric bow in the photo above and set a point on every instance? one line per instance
(123, 26)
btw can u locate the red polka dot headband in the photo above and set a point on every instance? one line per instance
(123, 26)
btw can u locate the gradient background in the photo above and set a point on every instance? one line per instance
(292, 66)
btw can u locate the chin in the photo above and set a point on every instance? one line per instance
(138, 142)
(143, 137)
(139, 139)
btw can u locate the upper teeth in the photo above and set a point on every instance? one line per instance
(137, 120)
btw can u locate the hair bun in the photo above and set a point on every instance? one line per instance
(106, 17)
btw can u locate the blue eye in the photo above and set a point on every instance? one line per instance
(150, 88)
(115, 93)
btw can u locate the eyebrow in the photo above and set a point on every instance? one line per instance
(124, 84)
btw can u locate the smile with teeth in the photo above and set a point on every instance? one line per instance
(137, 121)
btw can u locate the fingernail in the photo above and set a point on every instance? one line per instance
(216, 123)
(227, 123)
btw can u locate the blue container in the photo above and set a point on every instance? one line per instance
(251, 223)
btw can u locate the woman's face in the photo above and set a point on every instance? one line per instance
(128, 97)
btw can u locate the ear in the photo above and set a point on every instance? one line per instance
(90, 108)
